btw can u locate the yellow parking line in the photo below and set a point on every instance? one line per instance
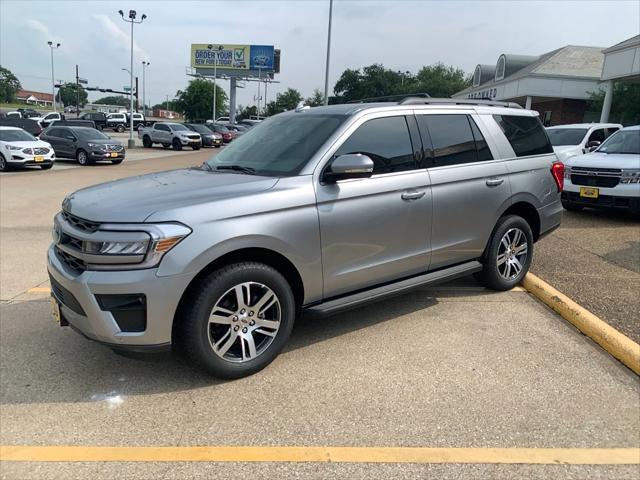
(542, 456)
(39, 289)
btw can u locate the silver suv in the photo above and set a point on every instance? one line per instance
(314, 210)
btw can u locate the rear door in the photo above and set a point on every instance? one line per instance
(67, 142)
(469, 186)
(53, 137)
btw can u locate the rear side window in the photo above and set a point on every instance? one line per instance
(484, 153)
(452, 140)
(386, 141)
(525, 134)
(55, 132)
(597, 136)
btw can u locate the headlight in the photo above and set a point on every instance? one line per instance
(13, 147)
(99, 146)
(630, 176)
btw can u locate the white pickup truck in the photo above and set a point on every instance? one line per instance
(170, 134)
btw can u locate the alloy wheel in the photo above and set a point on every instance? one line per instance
(244, 322)
(512, 253)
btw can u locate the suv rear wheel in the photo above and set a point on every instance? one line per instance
(146, 142)
(238, 320)
(508, 256)
(120, 128)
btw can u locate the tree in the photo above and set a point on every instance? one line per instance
(316, 99)
(9, 85)
(196, 102)
(67, 95)
(119, 100)
(287, 100)
(625, 105)
(246, 112)
(440, 80)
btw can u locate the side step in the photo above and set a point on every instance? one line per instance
(378, 293)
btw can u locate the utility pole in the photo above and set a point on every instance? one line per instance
(217, 51)
(259, 78)
(53, 83)
(326, 70)
(77, 93)
(137, 103)
(144, 100)
(167, 103)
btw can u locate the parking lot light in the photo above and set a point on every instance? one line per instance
(53, 83)
(144, 104)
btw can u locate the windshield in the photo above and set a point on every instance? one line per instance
(279, 146)
(201, 129)
(178, 127)
(16, 136)
(566, 136)
(623, 141)
(89, 134)
(221, 129)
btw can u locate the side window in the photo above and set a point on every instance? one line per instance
(610, 131)
(386, 141)
(525, 134)
(484, 153)
(54, 132)
(451, 138)
(597, 136)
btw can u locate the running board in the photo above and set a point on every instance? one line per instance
(378, 293)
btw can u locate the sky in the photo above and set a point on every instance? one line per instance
(403, 35)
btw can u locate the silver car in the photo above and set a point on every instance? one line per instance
(314, 210)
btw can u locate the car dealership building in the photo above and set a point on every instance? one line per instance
(559, 83)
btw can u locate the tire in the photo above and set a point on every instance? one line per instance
(4, 166)
(572, 207)
(218, 292)
(514, 263)
(196, 147)
(218, 146)
(47, 166)
(82, 157)
(146, 142)
(177, 146)
(120, 128)
(117, 161)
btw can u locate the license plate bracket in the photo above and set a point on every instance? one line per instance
(38, 158)
(589, 192)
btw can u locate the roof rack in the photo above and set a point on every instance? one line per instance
(392, 98)
(455, 101)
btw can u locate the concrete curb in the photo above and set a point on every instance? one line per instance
(613, 341)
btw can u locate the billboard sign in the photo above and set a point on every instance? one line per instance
(232, 57)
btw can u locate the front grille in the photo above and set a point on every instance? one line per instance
(81, 223)
(596, 177)
(71, 241)
(40, 151)
(114, 148)
(194, 137)
(73, 263)
(65, 297)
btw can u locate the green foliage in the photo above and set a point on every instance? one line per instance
(9, 85)
(246, 112)
(119, 100)
(625, 105)
(67, 95)
(316, 99)
(196, 102)
(287, 100)
(374, 80)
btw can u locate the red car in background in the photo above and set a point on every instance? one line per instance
(227, 135)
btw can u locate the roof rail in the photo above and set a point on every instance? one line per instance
(455, 101)
(391, 98)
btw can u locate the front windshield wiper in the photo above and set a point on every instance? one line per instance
(237, 168)
(206, 166)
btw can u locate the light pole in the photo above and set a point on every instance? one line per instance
(131, 20)
(219, 48)
(326, 69)
(53, 83)
(144, 104)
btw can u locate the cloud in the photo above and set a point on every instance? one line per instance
(41, 28)
(118, 37)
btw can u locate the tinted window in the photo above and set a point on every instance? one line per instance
(597, 136)
(525, 134)
(164, 128)
(566, 136)
(89, 134)
(386, 141)
(451, 138)
(55, 132)
(482, 149)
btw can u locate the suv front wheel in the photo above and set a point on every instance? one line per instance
(508, 256)
(238, 320)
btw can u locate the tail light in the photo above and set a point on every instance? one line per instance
(557, 170)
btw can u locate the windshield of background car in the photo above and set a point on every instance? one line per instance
(89, 134)
(201, 129)
(178, 127)
(623, 141)
(281, 145)
(16, 136)
(566, 136)
(221, 129)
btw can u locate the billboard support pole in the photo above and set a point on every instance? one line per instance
(232, 100)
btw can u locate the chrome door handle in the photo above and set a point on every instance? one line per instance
(412, 195)
(494, 182)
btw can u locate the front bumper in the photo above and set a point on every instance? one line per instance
(623, 195)
(26, 160)
(81, 309)
(190, 142)
(98, 155)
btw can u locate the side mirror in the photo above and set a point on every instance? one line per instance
(592, 145)
(351, 165)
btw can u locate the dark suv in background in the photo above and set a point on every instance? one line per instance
(98, 118)
(86, 145)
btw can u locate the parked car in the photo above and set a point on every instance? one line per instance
(19, 148)
(138, 120)
(579, 138)
(170, 134)
(86, 145)
(238, 129)
(29, 113)
(98, 118)
(47, 119)
(117, 122)
(13, 114)
(71, 109)
(27, 124)
(317, 211)
(73, 123)
(209, 138)
(227, 135)
(608, 177)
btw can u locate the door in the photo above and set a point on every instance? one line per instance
(162, 134)
(67, 142)
(376, 229)
(53, 137)
(469, 187)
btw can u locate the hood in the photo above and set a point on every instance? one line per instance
(566, 151)
(605, 160)
(30, 144)
(134, 199)
(103, 141)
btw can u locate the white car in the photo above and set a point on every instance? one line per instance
(47, 119)
(20, 149)
(579, 138)
(606, 177)
(13, 115)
